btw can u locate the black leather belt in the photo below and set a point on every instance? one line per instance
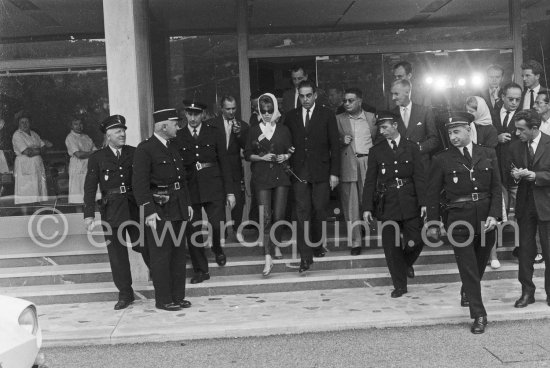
(474, 197)
(361, 155)
(174, 186)
(398, 183)
(120, 190)
(202, 165)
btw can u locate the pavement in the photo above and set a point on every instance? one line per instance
(280, 313)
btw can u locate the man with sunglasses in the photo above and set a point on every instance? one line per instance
(357, 130)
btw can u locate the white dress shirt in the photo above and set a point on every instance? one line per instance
(535, 143)
(162, 140)
(304, 113)
(397, 140)
(503, 115)
(527, 99)
(545, 126)
(198, 127)
(406, 114)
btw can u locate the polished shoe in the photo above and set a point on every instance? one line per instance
(123, 304)
(319, 252)
(268, 266)
(356, 251)
(495, 264)
(478, 327)
(278, 254)
(221, 259)
(524, 301)
(538, 258)
(183, 303)
(410, 272)
(305, 264)
(200, 277)
(170, 307)
(515, 252)
(464, 302)
(397, 293)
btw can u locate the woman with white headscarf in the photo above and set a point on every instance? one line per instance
(485, 135)
(268, 148)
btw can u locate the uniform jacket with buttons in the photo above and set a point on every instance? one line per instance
(156, 165)
(105, 170)
(210, 183)
(318, 146)
(383, 168)
(450, 171)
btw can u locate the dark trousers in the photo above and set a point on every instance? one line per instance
(398, 257)
(167, 262)
(471, 260)
(215, 211)
(237, 211)
(273, 203)
(311, 201)
(528, 224)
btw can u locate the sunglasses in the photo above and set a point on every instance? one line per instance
(264, 112)
(349, 100)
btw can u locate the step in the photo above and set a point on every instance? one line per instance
(316, 279)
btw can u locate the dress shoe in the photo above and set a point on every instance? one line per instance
(268, 266)
(410, 272)
(464, 302)
(278, 254)
(478, 327)
(319, 252)
(183, 303)
(221, 259)
(495, 264)
(200, 277)
(170, 307)
(305, 264)
(123, 304)
(538, 258)
(515, 252)
(397, 293)
(524, 301)
(356, 251)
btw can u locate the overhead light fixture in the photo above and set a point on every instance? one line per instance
(477, 80)
(461, 82)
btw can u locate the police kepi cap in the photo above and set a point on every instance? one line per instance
(113, 121)
(165, 114)
(193, 106)
(459, 118)
(384, 116)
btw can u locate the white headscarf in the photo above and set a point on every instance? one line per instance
(482, 116)
(276, 114)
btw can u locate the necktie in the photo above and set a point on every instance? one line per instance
(228, 126)
(195, 135)
(531, 154)
(494, 96)
(467, 155)
(298, 103)
(307, 119)
(393, 146)
(505, 122)
(405, 117)
(118, 155)
(532, 103)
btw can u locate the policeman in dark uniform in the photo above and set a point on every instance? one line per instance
(202, 146)
(395, 191)
(111, 169)
(469, 176)
(160, 188)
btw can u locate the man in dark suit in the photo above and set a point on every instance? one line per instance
(468, 173)
(504, 123)
(316, 161)
(417, 122)
(161, 191)
(396, 177)
(204, 152)
(291, 100)
(403, 70)
(235, 133)
(491, 94)
(531, 71)
(111, 169)
(530, 167)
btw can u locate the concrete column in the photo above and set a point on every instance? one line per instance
(130, 78)
(515, 30)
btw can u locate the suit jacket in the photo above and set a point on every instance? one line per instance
(210, 183)
(236, 143)
(503, 148)
(449, 172)
(527, 94)
(317, 147)
(541, 186)
(289, 99)
(421, 129)
(485, 94)
(109, 173)
(348, 161)
(155, 166)
(384, 167)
